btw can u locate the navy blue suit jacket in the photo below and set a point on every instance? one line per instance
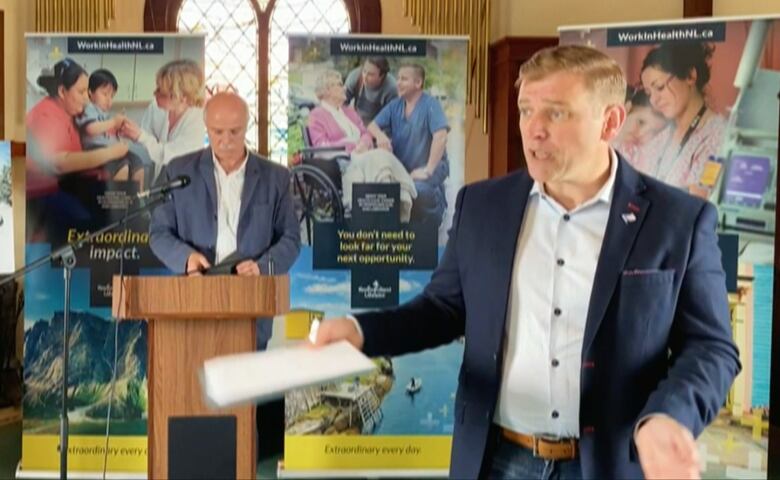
(267, 227)
(657, 334)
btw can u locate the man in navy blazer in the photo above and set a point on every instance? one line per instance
(236, 202)
(593, 302)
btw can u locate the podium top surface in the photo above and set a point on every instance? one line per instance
(207, 297)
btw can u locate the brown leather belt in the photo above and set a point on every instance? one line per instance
(562, 449)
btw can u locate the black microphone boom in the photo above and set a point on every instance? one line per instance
(179, 182)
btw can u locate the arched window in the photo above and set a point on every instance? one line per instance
(231, 48)
(294, 16)
(246, 48)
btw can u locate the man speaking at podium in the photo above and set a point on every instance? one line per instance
(236, 209)
(592, 299)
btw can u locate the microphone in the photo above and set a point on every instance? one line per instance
(179, 182)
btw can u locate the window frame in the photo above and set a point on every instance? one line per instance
(365, 16)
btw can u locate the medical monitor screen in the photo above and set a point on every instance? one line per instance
(747, 181)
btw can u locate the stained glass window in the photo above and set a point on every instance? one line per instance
(233, 33)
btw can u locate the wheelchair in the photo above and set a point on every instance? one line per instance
(315, 181)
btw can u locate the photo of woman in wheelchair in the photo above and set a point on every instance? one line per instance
(338, 152)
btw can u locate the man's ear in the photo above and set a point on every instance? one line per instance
(614, 117)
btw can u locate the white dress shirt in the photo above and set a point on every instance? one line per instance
(229, 189)
(552, 278)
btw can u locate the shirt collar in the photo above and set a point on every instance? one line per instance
(603, 195)
(221, 171)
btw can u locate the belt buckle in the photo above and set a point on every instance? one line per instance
(535, 450)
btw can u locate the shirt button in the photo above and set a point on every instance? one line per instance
(554, 414)
(560, 262)
(557, 312)
(555, 362)
(566, 217)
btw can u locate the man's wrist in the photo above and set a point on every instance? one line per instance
(357, 327)
(645, 419)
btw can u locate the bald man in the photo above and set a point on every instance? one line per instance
(236, 209)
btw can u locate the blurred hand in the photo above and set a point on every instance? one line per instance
(248, 268)
(360, 148)
(384, 142)
(130, 129)
(420, 174)
(119, 120)
(196, 263)
(667, 449)
(335, 329)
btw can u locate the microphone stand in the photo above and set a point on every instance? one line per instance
(66, 257)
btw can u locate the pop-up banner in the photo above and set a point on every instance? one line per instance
(703, 116)
(375, 190)
(97, 134)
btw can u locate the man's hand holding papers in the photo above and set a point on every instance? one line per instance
(259, 376)
(337, 329)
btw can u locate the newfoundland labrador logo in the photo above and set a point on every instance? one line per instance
(375, 291)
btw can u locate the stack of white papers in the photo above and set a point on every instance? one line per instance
(255, 376)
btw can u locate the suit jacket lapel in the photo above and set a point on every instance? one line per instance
(626, 215)
(509, 220)
(206, 167)
(251, 179)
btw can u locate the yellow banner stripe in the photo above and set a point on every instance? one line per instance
(340, 452)
(85, 453)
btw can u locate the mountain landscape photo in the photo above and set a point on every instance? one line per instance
(91, 359)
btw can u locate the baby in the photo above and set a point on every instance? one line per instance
(642, 124)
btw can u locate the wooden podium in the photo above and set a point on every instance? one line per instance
(192, 319)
